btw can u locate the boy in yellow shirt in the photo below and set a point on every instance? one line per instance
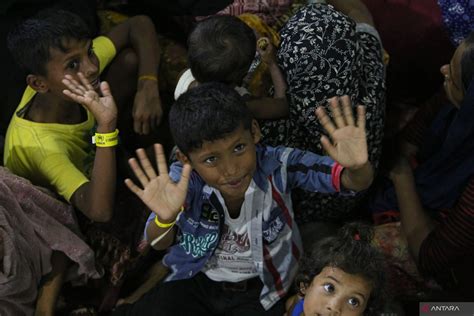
(49, 137)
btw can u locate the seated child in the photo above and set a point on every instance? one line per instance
(342, 275)
(222, 48)
(237, 246)
(49, 137)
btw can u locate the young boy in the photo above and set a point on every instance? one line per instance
(222, 48)
(49, 137)
(237, 245)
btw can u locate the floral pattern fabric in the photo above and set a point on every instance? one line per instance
(323, 54)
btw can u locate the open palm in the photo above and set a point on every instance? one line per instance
(163, 196)
(102, 107)
(349, 143)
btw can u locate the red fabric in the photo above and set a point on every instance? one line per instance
(414, 36)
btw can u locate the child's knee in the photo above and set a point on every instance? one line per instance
(128, 60)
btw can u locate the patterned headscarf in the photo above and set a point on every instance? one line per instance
(458, 17)
(324, 54)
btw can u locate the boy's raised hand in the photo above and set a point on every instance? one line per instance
(163, 196)
(103, 108)
(349, 143)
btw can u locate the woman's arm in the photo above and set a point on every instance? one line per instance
(452, 241)
(415, 222)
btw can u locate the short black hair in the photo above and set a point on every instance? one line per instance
(207, 113)
(351, 251)
(221, 48)
(30, 42)
(467, 62)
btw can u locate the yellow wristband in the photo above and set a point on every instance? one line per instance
(106, 139)
(148, 77)
(163, 225)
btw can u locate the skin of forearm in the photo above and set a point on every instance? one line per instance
(96, 199)
(48, 293)
(144, 42)
(415, 223)
(272, 108)
(358, 179)
(153, 232)
(278, 80)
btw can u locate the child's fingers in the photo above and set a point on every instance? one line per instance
(137, 170)
(105, 89)
(347, 109)
(161, 160)
(185, 175)
(328, 147)
(135, 189)
(76, 85)
(336, 112)
(361, 116)
(74, 97)
(325, 120)
(145, 127)
(85, 82)
(72, 87)
(145, 163)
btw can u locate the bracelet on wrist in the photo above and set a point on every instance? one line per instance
(106, 139)
(163, 225)
(166, 225)
(148, 77)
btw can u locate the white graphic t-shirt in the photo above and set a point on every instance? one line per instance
(232, 260)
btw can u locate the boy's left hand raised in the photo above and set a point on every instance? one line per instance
(103, 107)
(349, 143)
(147, 110)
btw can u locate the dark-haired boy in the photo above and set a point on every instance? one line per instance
(221, 49)
(49, 137)
(237, 245)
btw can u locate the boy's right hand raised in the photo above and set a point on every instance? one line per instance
(163, 196)
(103, 108)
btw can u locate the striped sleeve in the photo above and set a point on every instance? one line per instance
(312, 172)
(452, 241)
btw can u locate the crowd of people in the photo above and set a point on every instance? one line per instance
(259, 167)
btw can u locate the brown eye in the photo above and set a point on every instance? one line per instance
(354, 302)
(328, 287)
(73, 64)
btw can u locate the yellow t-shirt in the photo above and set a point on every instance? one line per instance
(56, 156)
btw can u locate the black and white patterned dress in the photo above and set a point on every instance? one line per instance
(323, 53)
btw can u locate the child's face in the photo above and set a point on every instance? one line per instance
(228, 164)
(335, 292)
(79, 57)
